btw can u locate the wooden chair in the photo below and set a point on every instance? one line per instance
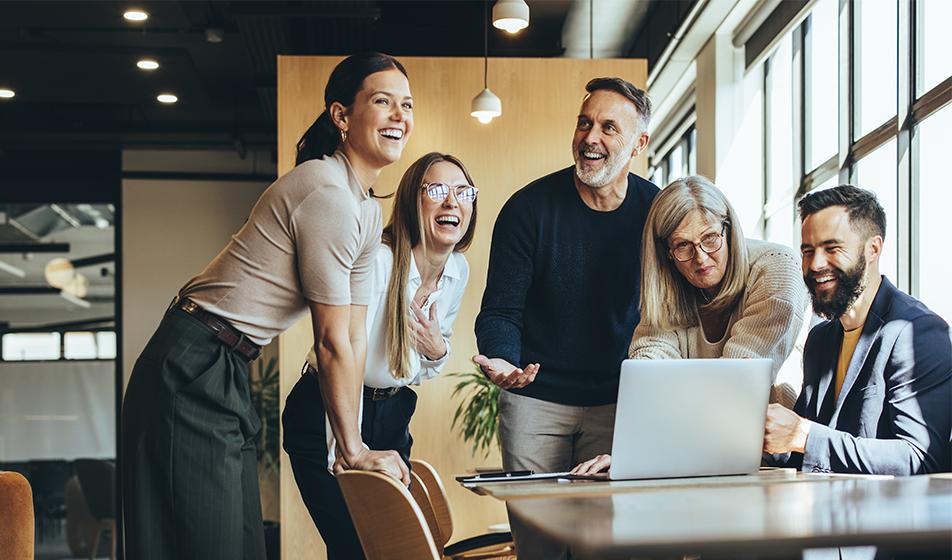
(16, 527)
(388, 520)
(488, 545)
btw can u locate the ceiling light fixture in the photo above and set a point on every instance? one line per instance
(136, 15)
(147, 64)
(511, 16)
(486, 106)
(6, 93)
(167, 98)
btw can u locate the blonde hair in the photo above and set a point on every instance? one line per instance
(402, 233)
(668, 300)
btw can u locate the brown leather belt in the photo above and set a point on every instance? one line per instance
(227, 334)
(372, 393)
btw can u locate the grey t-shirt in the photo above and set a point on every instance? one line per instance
(310, 237)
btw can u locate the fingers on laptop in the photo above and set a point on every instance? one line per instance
(592, 466)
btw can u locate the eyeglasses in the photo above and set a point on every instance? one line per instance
(439, 191)
(710, 243)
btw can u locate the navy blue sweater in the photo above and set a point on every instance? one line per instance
(563, 288)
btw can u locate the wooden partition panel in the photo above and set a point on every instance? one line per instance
(541, 99)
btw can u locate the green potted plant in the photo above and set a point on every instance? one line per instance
(264, 384)
(478, 411)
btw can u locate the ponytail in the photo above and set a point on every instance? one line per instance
(321, 139)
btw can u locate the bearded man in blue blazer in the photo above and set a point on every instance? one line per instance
(877, 375)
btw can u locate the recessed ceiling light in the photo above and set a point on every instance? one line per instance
(147, 64)
(166, 98)
(136, 15)
(6, 93)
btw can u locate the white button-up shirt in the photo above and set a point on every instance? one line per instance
(447, 297)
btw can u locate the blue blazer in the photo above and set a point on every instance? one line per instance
(894, 411)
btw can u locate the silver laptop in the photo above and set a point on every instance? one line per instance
(679, 418)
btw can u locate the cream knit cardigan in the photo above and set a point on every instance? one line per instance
(766, 322)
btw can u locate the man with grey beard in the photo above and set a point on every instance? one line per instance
(562, 294)
(877, 375)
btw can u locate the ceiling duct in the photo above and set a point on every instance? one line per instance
(29, 224)
(601, 28)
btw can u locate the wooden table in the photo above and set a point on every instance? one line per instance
(774, 513)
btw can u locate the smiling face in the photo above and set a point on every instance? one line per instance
(607, 135)
(444, 222)
(379, 122)
(834, 261)
(706, 270)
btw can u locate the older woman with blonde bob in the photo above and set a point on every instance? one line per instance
(706, 291)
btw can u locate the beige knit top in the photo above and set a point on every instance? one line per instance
(764, 324)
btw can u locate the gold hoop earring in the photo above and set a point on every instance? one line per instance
(343, 136)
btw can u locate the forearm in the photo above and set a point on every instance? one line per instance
(829, 450)
(498, 336)
(341, 382)
(651, 343)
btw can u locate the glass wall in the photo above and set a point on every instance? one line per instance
(898, 125)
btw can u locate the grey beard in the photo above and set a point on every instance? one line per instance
(614, 164)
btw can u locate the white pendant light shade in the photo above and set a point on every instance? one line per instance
(59, 272)
(486, 106)
(511, 15)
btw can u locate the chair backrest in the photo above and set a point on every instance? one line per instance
(389, 523)
(422, 498)
(16, 529)
(434, 487)
(98, 481)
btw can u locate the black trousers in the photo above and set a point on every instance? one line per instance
(189, 464)
(385, 425)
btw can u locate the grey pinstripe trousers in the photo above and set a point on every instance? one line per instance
(189, 465)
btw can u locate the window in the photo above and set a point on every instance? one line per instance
(935, 199)
(31, 346)
(79, 345)
(778, 213)
(87, 345)
(877, 172)
(875, 70)
(106, 345)
(822, 92)
(679, 161)
(935, 43)
(809, 78)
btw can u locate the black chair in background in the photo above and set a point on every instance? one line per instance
(98, 481)
(48, 478)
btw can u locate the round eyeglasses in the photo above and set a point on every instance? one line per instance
(439, 191)
(710, 243)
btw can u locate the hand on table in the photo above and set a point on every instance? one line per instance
(504, 374)
(385, 462)
(598, 464)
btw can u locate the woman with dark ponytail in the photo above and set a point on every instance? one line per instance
(189, 465)
(420, 275)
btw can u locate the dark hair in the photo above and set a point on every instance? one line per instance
(323, 137)
(625, 88)
(865, 213)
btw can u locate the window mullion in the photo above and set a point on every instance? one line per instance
(907, 197)
(845, 89)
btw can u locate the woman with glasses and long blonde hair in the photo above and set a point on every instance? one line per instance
(706, 291)
(419, 278)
